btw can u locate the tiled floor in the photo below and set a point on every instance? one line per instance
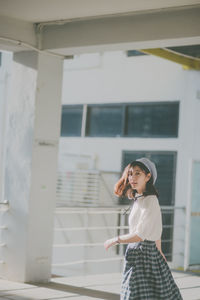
(104, 286)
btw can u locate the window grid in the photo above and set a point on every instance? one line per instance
(117, 119)
(113, 125)
(166, 159)
(71, 121)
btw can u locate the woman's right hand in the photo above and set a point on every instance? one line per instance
(110, 242)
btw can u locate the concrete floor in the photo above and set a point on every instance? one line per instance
(104, 286)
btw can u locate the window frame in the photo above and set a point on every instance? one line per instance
(148, 153)
(165, 211)
(153, 104)
(65, 106)
(105, 105)
(124, 107)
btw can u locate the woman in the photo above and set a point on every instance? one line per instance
(146, 274)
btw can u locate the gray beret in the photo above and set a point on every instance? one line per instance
(150, 166)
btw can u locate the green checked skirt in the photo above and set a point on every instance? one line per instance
(146, 274)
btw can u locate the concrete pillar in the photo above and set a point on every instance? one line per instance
(5, 65)
(33, 132)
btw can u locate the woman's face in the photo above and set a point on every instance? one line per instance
(138, 179)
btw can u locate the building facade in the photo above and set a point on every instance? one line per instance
(118, 106)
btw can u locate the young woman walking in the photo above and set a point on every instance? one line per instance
(146, 274)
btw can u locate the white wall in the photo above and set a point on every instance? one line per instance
(118, 78)
(112, 77)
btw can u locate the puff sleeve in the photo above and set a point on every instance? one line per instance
(149, 226)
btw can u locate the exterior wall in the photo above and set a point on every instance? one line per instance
(30, 165)
(114, 78)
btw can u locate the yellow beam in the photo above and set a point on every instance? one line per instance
(186, 61)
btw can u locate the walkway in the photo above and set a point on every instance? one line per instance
(104, 286)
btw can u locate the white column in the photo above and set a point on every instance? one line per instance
(31, 165)
(6, 61)
(188, 125)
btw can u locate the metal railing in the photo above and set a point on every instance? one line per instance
(85, 188)
(4, 206)
(78, 188)
(88, 211)
(120, 228)
(80, 192)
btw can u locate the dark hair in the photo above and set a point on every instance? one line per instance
(123, 188)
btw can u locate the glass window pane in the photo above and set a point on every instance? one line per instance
(104, 121)
(152, 120)
(165, 184)
(167, 250)
(194, 258)
(167, 234)
(191, 50)
(71, 120)
(166, 168)
(135, 53)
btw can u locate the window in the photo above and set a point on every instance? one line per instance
(134, 53)
(166, 167)
(104, 120)
(191, 50)
(143, 120)
(167, 234)
(152, 120)
(71, 122)
(165, 184)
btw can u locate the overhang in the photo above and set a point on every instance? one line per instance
(66, 28)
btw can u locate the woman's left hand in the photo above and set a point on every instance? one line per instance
(163, 256)
(109, 243)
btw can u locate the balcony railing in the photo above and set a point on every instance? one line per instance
(119, 226)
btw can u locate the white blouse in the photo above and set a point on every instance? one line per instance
(145, 219)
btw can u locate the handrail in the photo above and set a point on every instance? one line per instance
(120, 210)
(99, 228)
(77, 245)
(87, 261)
(3, 227)
(90, 228)
(116, 210)
(83, 261)
(107, 189)
(88, 212)
(4, 206)
(93, 244)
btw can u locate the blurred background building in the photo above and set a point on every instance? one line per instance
(76, 108)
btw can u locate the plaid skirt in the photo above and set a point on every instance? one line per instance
(146, 274)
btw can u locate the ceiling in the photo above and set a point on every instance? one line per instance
(68, 27)
(51, 10)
